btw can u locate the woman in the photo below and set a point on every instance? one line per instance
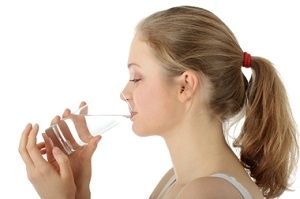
(185, 84)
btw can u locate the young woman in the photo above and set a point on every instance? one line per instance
(185, 84)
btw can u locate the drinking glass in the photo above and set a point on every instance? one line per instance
(95, 118)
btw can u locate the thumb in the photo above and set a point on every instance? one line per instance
(91, 147)
(64, 164)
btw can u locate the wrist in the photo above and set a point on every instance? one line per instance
(84, 193)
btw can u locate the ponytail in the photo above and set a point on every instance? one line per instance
(268, 140)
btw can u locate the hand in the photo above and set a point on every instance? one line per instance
(80, 160)
(47, 181)
(61, 176)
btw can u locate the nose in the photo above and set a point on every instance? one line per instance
(126, 96)
(122, 95)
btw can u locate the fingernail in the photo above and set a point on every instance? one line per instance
(98, 139)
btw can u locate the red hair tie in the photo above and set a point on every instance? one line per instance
(247, 60)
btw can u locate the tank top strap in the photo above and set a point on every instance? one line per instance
(167, 185)
(235, 183)
(232, 180)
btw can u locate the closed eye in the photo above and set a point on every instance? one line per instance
(134, 80)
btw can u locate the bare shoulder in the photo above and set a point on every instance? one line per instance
(209, 187)
(162, 183)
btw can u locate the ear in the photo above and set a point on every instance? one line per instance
(188, 84)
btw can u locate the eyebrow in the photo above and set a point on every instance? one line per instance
(133, 64)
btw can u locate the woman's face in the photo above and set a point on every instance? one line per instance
(152, 98)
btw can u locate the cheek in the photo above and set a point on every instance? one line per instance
(148, 100)
(155, 106)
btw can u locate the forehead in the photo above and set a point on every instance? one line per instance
(142, 60)
(140, 53)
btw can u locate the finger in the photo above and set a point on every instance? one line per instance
(55, 120)
(53, 136)
(43, 151)
(48, 144)
(83, 103)
(65, 130)
(64, 164)
(66, 113)
(83, 108)
(32, 149)
(91, 147)
(41, 145)
(80, 124)
(22, 145)
(48, 147)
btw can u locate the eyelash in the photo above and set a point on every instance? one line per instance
(134, 80)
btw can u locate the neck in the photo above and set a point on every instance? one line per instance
(197, 148)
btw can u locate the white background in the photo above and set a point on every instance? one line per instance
(53, 54)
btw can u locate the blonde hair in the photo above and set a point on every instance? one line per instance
(191, 38)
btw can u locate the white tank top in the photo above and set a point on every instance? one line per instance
(232, 180)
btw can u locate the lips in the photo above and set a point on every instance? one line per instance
(132, 114)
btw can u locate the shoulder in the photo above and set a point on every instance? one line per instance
(162, 183)
(209, 187)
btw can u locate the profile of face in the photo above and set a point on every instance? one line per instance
(149, 92)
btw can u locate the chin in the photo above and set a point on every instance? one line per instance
(142, 132)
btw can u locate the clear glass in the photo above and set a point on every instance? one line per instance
(95, 118)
